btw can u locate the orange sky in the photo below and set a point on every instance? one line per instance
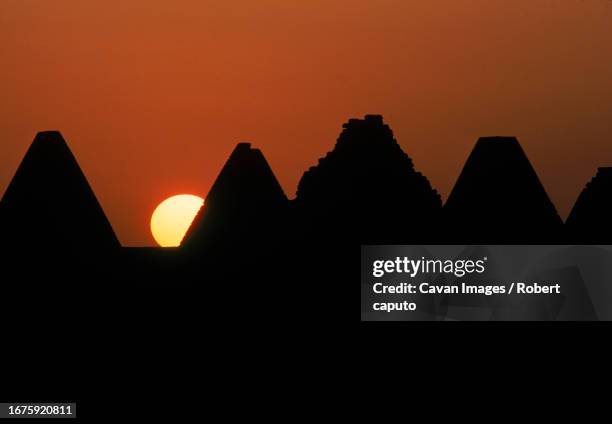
(153, 95)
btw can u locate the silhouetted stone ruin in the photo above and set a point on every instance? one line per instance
(367, 190)
(58, 247)
(246, 205)
(498, 198)
(276, 253)
(590, 218)
(49, 206)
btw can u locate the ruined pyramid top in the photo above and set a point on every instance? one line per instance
(50, 203)
(367, 177)
(365, 151)
(498, 193)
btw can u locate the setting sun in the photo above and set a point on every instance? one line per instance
(171, 219)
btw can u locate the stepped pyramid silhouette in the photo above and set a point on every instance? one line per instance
(366, 190)
(49, 204)
(498, 198)
(245, 204)
(589, 221)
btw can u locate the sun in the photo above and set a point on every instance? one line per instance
(172, 218)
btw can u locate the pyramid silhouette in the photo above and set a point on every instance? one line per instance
(245, 204)
(367, 190)
(50, 205)
(589, 220)
(498, 198)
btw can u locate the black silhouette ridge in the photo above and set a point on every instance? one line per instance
(364, 191)
(270, 267)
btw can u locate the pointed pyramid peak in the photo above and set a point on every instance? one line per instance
(48, 134)
(49, 138)
(498, 139)
(498, 146)
(48, 153)
(49, 201)
(245, 194)
(498, 142)
(498, 195)
(242, 147)
(246, 174)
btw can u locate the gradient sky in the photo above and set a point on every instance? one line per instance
(153, 95)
